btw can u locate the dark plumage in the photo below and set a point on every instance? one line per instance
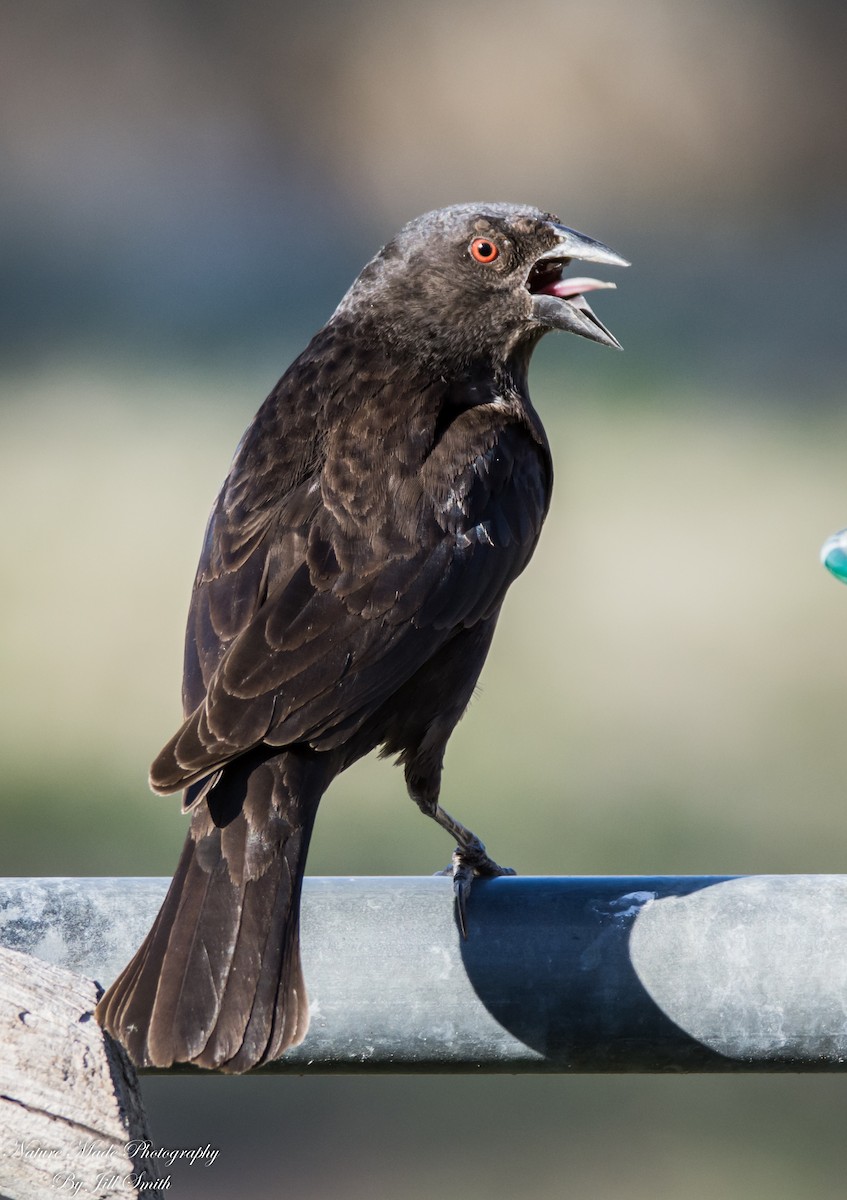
(389, 490)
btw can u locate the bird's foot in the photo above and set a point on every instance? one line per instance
(470, 863)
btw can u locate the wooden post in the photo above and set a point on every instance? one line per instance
(69, 1101)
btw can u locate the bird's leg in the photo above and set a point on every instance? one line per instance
(470, 859)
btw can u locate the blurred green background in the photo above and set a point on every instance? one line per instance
(187, 191)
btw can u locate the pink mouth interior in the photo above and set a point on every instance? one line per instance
(565, 288)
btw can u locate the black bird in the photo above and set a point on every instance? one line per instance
(389, 490)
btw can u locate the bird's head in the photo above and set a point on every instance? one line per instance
(479, 280)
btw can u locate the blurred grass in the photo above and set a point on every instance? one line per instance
(538, 1138)
(666, 691)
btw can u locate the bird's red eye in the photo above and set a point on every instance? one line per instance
(483, 250)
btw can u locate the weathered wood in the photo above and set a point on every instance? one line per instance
(69, 1102)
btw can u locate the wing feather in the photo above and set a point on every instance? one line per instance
(301, 633)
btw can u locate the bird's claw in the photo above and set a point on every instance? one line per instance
(466, 866)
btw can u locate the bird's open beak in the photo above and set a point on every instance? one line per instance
(559, 302)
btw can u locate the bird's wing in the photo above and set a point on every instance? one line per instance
(313, 629)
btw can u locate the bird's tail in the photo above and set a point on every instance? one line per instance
(217, 981)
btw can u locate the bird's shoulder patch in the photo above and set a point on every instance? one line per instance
(486, 451)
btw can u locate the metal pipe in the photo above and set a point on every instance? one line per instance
(558, 974)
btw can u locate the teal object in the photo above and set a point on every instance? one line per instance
(834, 555)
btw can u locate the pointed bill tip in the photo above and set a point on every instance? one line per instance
(572, 244)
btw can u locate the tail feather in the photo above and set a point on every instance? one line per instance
(217, 982)
(267, 966)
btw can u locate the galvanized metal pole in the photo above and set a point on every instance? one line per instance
(557, 974)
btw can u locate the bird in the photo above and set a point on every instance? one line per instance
(389, 490)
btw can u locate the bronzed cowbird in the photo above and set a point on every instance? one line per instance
(389, 490)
